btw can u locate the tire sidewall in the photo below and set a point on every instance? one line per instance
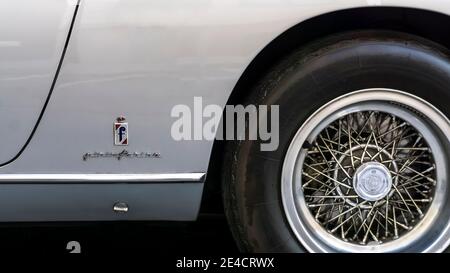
(301, 84)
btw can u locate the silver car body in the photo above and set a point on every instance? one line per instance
(131, 58)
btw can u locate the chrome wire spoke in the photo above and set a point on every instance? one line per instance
(345, 165)
(369, 171)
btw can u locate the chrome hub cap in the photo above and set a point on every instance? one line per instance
(367, 174)
(372, 181)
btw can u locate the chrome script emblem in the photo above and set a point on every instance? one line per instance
(121, 132)
(120, 139)
(120, 155)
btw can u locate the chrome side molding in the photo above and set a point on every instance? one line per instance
(102, 178)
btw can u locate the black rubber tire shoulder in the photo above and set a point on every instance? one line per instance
(301, 83)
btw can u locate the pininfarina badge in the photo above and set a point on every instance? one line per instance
(121, 132)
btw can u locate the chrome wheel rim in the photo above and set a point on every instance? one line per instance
(368, 172)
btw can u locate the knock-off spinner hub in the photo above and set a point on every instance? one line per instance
(372, 181)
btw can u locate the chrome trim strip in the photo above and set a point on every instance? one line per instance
(103, 178)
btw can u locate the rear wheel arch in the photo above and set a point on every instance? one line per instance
(430, 25)
(251, 185)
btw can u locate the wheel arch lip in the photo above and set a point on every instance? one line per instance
(289, 167)
(283, 40)
(291, 38)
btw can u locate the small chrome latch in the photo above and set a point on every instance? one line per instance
(120, 207)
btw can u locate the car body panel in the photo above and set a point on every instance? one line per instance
(31, 44)
(138, 59)
(95, 202)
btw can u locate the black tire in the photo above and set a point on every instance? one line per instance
(300, 84)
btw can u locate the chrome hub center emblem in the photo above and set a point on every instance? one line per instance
(372, 181)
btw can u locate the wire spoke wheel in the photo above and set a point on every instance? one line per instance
(369, 177)
(368, 172)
